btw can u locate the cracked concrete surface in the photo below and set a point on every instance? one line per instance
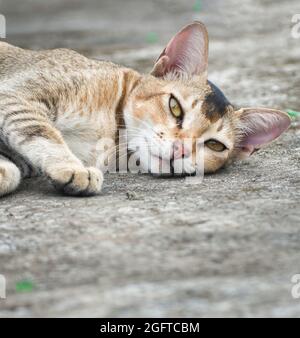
(225, 247)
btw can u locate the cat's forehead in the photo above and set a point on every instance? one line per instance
(214, 104)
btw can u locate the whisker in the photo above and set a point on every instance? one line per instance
(142, 121)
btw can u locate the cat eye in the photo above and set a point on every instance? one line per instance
(175, 107)
(215, 145)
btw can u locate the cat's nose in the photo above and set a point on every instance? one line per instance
(180, 150)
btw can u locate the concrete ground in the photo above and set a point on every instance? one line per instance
(160, 247)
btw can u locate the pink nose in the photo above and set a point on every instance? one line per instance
(180, 151)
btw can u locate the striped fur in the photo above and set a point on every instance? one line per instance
(55, 107)
(49, 97)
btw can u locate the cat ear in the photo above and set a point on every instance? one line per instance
(187, 52)
(258, 127)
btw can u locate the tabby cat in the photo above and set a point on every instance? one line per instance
(56, 105)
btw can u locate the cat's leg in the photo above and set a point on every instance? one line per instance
(34, 137)
(10, 176)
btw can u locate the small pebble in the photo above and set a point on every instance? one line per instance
(132, 196)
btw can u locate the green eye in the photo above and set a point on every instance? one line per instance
(175, 107)
(215, 145)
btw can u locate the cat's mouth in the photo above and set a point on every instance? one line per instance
(168, 165)
(159, 166)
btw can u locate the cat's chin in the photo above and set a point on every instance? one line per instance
(159, 167)
(166, 168)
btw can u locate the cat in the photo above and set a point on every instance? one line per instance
(56, 105)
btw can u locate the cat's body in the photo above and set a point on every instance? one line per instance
(81, 98)
(61, 97)
(55, 107)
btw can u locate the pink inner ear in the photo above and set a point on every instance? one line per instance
(261, 126)
(187, 52)
(261, 137)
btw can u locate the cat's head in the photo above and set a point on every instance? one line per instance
(177, 102)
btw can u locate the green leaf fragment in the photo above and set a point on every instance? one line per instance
(197, 6)
(293, 113)
(152, 37)
(24, 286)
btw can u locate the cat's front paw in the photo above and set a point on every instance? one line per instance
(77, 180)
